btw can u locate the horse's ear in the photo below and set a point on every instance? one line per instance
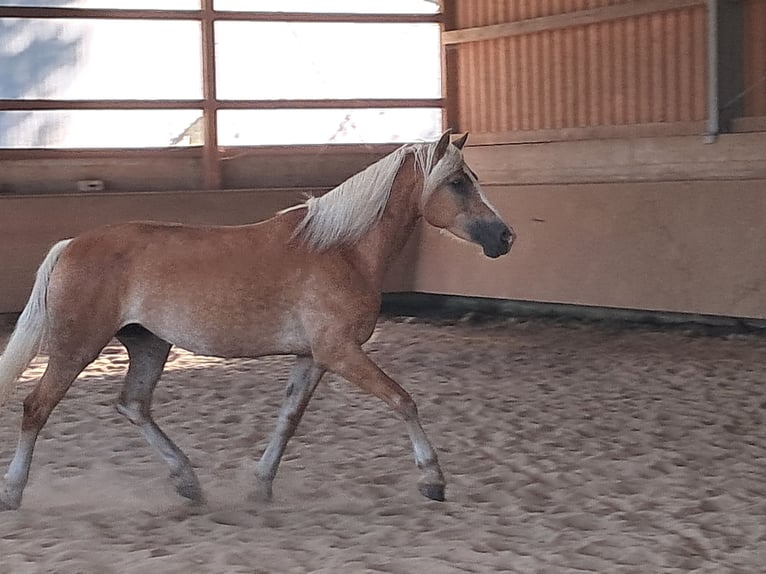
(460, 142)
(441, 147)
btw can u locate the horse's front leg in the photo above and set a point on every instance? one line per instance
(350, 362)
(303, 380)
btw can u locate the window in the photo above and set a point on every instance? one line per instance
(210, 73)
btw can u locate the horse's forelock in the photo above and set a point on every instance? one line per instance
(437, 171)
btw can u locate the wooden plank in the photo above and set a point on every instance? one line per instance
(338, 18)
(590, 133)
(502, 86)
(37, 105)
(644, 70)
(688, 69)
(579, 18)
(595, 95)
(515, 73)
(608, 68)
(549, 80)
(672, 31)
(193, 151)
(569, 79)
(527, 93)
(581, 77)
(449, 70)
(17, 154)
(700, 89)
(211, 162)
(666, 158)
(134, 14)
(536, 80)
(749, 124)
(330, 104)
(37, 12)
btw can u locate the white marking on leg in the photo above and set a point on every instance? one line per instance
(18, 470)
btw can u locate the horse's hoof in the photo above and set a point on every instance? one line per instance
(6, 504)
(432, 491)
(191, 491)
(263, 493)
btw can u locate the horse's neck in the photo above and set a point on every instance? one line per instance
(380, 246)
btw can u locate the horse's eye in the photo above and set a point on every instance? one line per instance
(456, 183)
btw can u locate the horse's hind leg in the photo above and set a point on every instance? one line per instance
(38, 405)
(303, 380)
(148, 354)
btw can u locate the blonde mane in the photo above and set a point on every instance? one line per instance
(346, 213)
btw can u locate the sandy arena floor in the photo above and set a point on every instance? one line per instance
(568, 447)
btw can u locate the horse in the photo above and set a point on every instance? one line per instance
(306, 282)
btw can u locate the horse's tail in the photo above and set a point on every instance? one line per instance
(28, 335)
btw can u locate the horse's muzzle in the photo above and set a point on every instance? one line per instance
(494, 236)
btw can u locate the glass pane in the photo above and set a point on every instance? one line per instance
(99, 59)
(321, 60)
(285, 127)
(136, 4)
(349, 6)
(99, 128)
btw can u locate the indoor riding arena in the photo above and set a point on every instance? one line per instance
(568, 369)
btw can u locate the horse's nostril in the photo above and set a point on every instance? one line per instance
(506, 235)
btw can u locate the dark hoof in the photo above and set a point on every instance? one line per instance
(191, 491)
(9, 502)
(432, 491)
(5, 506)
(262, 494)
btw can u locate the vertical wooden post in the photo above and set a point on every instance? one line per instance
(451, 113)
(211, 162)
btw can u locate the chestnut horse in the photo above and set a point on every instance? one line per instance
(306, 282)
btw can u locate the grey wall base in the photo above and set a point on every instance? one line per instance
(452, 306)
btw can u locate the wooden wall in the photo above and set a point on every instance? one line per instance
(659, 224)
(308, 167)
(526, 65)
(30, 224)
(587, 120)
(650, 219)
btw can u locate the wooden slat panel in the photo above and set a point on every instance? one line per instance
(699, 74)
(755, 58)
(474, 13)
(583, 73)
(535, 22)
(670, 84)
(641, 70)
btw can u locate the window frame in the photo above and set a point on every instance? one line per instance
(211, 152)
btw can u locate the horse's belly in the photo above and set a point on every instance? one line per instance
(256, 339)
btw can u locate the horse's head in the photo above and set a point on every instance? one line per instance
(452, 200)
